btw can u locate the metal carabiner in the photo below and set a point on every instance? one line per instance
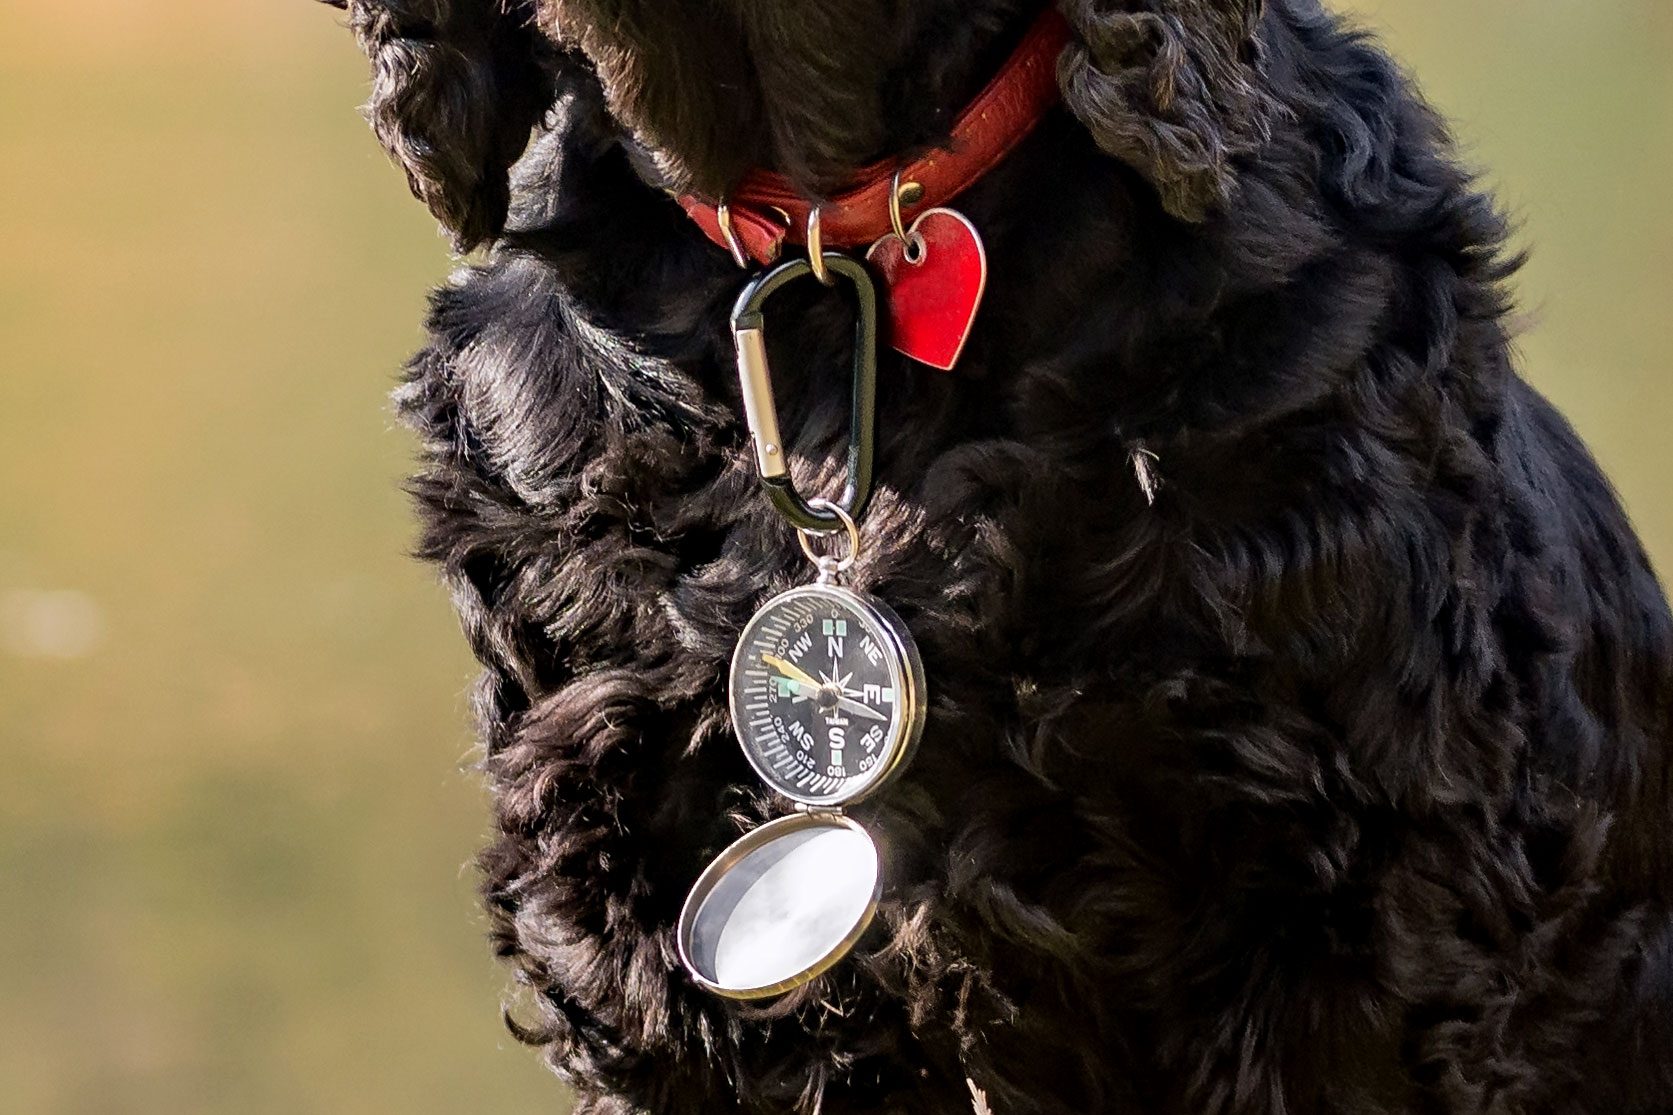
(761, 411)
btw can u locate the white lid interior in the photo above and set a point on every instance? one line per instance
(780, 906)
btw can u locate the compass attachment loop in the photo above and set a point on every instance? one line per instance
(831, 566)
(749, 325)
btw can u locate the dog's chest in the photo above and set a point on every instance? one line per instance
(1067, 617)
(1050, 593)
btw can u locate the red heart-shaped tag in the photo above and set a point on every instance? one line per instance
(933, 282)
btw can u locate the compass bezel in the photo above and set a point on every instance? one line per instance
(906, 673)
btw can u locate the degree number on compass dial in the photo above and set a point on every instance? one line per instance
(827, 694)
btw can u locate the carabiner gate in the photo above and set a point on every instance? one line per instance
(761, 412)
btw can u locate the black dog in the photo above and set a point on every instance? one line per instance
(1325, 770)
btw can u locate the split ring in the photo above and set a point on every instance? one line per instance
(830, 566)
(914, 245)
(816, 246)
(733, 244)
(895, 216)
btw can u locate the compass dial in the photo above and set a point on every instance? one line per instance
(827, 694)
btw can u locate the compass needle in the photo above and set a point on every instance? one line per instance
(791, 671)
(859, 709)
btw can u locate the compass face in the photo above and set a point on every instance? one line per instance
(827, 694)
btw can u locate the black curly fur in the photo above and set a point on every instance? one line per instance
(456, 88)
(1334, 780)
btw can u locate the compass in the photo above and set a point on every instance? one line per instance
(827, 694)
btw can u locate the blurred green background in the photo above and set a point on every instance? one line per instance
(236, 813)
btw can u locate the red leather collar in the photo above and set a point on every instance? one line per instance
(766, 210)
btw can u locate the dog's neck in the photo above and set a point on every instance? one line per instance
(768, 210)
(706, 99)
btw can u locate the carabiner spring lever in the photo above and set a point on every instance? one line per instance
(761, 412)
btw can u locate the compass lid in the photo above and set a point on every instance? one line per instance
(780, 906)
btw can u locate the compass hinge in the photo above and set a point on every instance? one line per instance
(819, 810)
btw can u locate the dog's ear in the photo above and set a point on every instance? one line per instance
(457, 86)
(1173, 88)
